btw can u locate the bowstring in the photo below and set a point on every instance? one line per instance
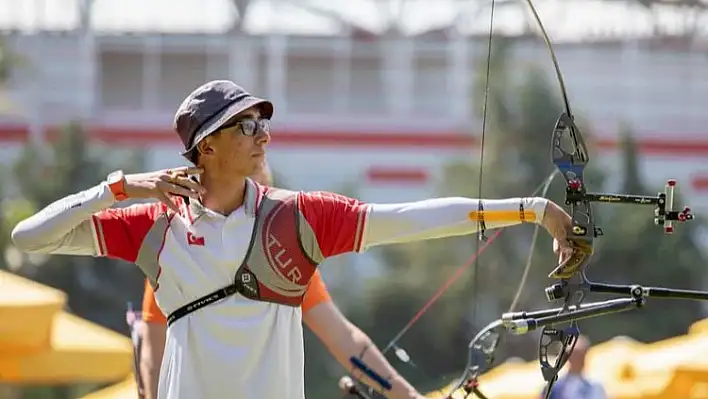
(481, 226)
(473, 261)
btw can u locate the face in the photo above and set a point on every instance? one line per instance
(230, 151)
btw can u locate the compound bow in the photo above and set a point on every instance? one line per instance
(572, 285)
(569, 154)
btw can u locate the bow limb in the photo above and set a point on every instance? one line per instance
(571, 162)
(559, 75)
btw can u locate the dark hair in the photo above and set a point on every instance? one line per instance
(192, 156)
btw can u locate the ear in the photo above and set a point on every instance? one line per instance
(205, 147)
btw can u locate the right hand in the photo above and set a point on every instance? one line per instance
(164, 184)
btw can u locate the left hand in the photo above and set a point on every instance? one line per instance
(558, 224)
(572, 253)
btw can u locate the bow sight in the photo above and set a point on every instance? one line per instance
(572, 164)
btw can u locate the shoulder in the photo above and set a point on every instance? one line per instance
(320, 203)
(145, 211)
(135, 219)
(306, 198)
(121, 231)
(323, 197)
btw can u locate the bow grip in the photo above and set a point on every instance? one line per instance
(582, 251)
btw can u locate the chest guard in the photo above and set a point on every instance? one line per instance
(282, 256)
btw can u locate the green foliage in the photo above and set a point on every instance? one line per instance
(12, 211)
(5, 63)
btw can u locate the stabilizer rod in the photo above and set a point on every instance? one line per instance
(587, 311)
(556, 291)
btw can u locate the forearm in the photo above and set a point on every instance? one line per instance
(440, 217)
(359, 344)
(151, 357)
(65, 226)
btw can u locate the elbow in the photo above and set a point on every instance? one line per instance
(25, 239)
(22, 238)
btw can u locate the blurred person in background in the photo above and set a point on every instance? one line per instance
(214, 233)
(136, 324)
(575, 384)
(342, 338)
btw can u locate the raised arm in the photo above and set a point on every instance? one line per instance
(82, 224)
(344, 224)
(66, 226)
(438, 218)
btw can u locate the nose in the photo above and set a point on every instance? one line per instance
(262, 137)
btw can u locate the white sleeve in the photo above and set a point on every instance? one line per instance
(64, 227)
(438, 218)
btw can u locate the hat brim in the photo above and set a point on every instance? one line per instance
(224, 116)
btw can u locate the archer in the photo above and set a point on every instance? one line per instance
(230, 259)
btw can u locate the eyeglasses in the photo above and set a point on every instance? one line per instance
(250, 127)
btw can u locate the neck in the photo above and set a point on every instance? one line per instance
(224, 194)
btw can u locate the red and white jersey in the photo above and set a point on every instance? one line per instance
(236, 347)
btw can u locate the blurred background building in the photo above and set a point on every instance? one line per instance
(377, 99)
(379, 88)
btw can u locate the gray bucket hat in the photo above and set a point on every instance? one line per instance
(211, 105)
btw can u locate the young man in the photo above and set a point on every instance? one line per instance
(230, 259)
(341, 337)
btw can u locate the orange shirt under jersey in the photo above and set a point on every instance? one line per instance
(316, 294)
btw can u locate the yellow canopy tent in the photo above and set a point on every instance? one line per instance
(510, 380)
(126, 389)
(40, 344)
(513, 380)
(699, 327)
(33, 304)
(606, 363)
(673, 368)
